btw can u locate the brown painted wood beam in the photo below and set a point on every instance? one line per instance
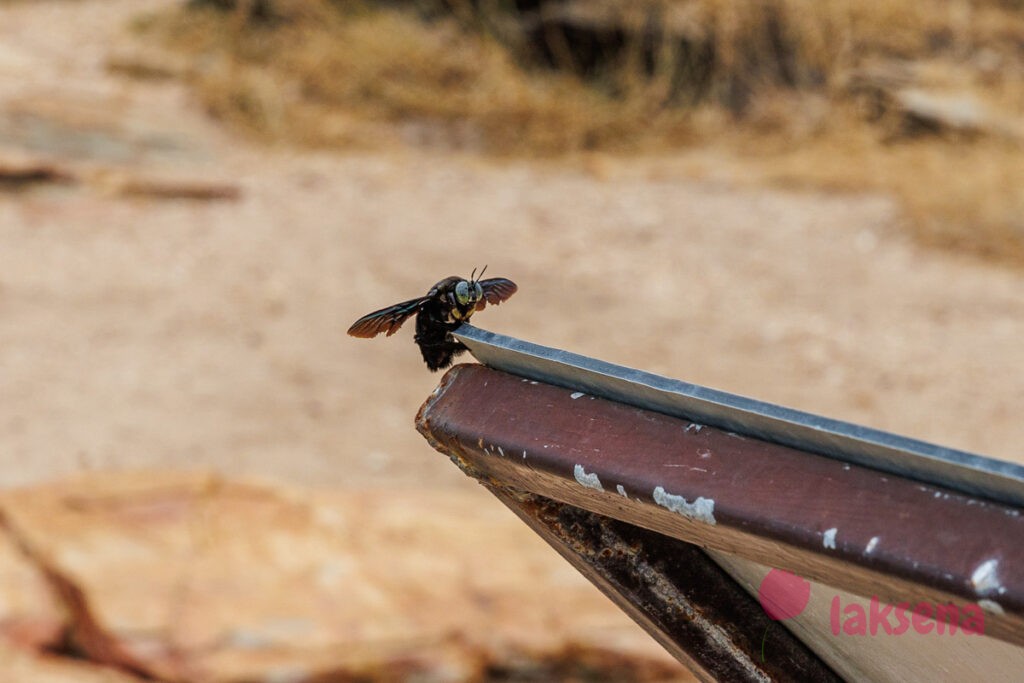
(847, 526)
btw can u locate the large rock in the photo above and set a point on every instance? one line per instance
(190, 577)
(20, 666)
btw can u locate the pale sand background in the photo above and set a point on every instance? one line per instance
(212, 334)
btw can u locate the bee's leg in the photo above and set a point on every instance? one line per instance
(439, 355)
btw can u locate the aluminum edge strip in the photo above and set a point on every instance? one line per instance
(965, 472)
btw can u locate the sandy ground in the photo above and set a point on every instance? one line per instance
(191, 334)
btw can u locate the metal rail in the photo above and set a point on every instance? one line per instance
(966, 472)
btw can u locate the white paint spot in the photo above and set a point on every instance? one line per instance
(589, 480)
(702, 509)
(872, 544)
(829, 539)
(524, 455)
(984, 579)
(501, 452)
(622, 491)
(694, 427)
(704, 453)
(576, 394)
(846, 467)
(991, 606)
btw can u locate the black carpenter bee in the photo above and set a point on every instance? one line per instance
(447, 305)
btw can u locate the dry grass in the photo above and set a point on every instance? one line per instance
(964, 196)
(346, 80)
(778, 81)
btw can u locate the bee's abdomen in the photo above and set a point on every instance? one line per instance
(433, 335)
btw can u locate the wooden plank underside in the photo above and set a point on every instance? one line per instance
(675, 592)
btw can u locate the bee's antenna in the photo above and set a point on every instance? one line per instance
(472, 276)
(482, 272)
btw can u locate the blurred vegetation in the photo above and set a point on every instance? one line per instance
(924, 100)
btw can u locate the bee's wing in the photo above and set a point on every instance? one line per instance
(496, 290)
(386, 319)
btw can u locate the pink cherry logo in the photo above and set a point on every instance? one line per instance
(783, 595)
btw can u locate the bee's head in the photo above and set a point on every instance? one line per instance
(469, 292)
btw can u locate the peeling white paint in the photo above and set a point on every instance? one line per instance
(991, 606)
(702, 509)
(872, 544)
(829, 538)
(985, 579)
(589, 480)
(704, 453)
(622, 491)
(694, 427)
(576, 394)
(501, 452)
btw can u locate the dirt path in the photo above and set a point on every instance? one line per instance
(138, 332)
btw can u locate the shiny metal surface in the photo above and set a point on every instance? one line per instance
(966, 472)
